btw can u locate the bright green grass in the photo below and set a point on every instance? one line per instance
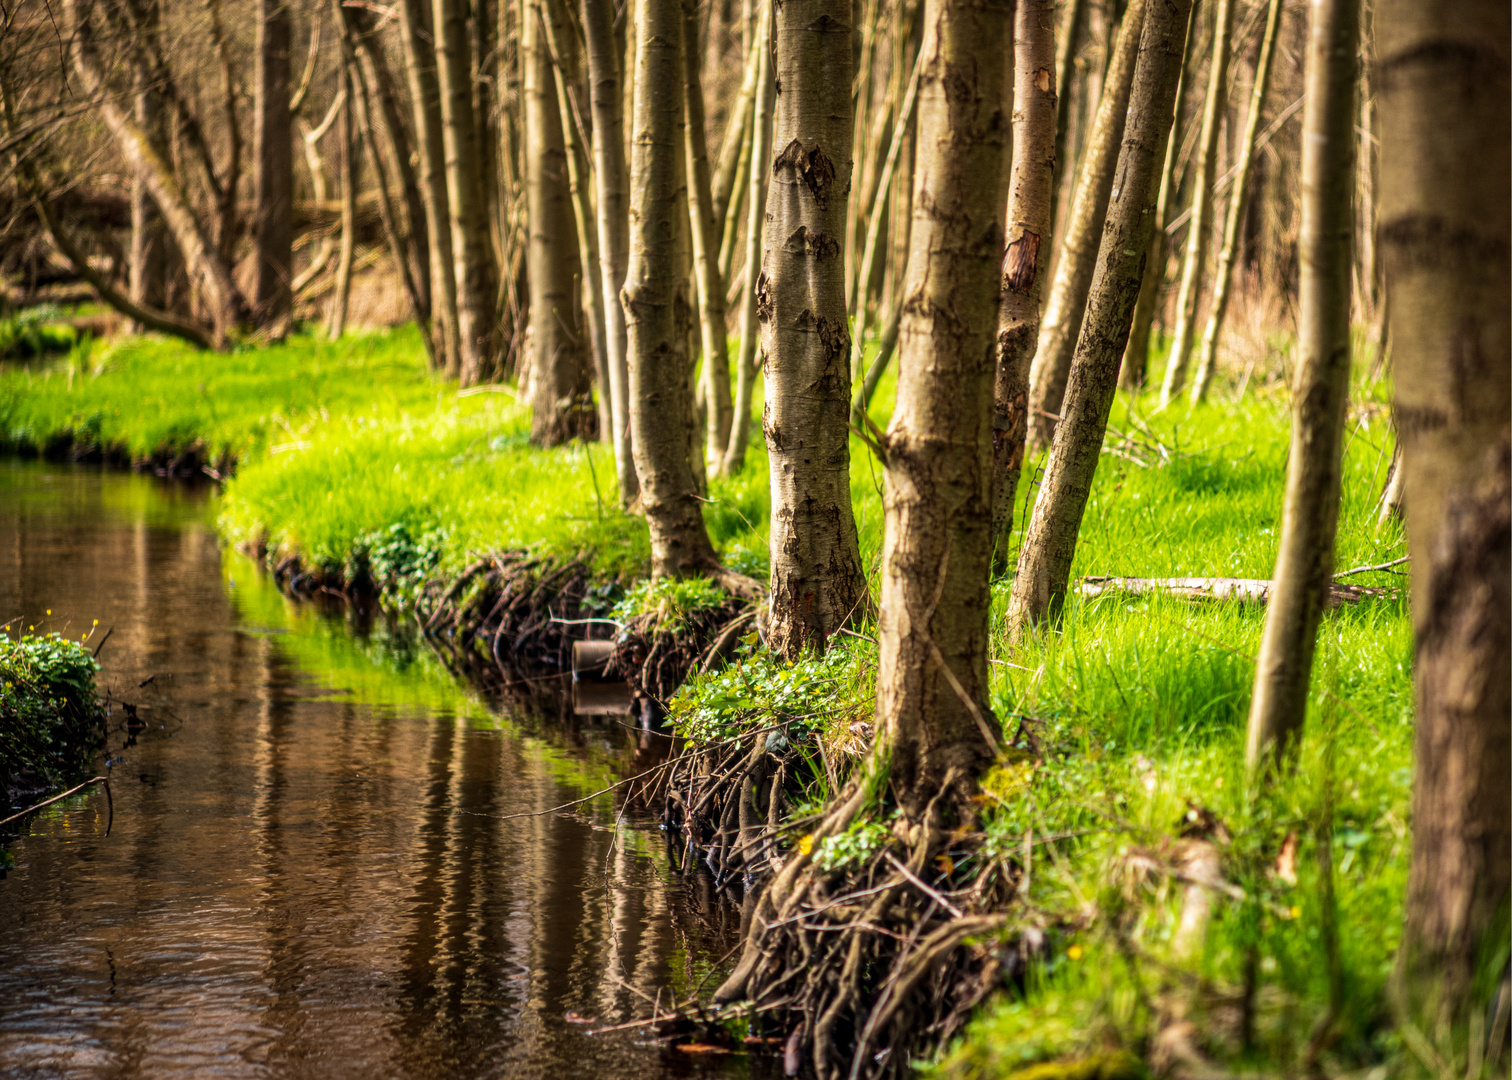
(148, 394)
(1145, 700)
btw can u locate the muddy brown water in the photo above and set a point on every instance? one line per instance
(309, 872)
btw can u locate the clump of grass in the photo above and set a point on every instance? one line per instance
(35, 332)
(50, 719)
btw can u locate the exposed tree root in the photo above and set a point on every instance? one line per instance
(857, 968)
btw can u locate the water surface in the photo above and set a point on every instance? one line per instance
(310, 871)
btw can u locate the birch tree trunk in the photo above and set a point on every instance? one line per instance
(661, 406)
(1207, 357)
(203, 260)
(273, 138)
(472, 256)
(1194, 267)
(576, 156)
(817, 581)
(336, 325)
(745, 371)
(149, 240)
(1136, 361)
(1030, 199)
(560, 366)
(932, 687)
(430, 142)
(1044, 565)
(1077, 259)
(1320, 388)
(1065, 68)
(1442, 76)
(613, 223)
(704, 232)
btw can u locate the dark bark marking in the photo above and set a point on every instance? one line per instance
(813, 167)
(764, 302)
(1022, 263)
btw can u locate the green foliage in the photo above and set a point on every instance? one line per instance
(823, 694)
(34, 332)
(49, 717)
(668, 602)
(853, 847)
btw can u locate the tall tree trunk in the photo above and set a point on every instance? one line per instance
(1027, 255)
(425, 100)
(1136, 360)
(205, 265)
(1442, 76)
(933, 711)
(1320, 388)
(817, 581)
(745, 369)
(1065, 67)
(1194, 267)
(704, 233)
(560, 366)
(472, 254)
(336, 325)
(360, 101)
(273, 218)
(582, 208)
(1077, 260)
(149, 240)
(613, 223)
(877, 219)
(1044, 565)
(227, 227)
(661, 406)
(1207, 356)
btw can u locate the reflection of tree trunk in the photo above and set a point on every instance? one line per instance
(1445, 194)
(1320, 387)
(425, 99)
(745, 369)
(273, 139)
(1044, 564)
(1207, 358)
(1077, 260)
(1031, 187)
(472, 255)
(704, 233)
(1194, 267)
(817, 582)
(560, 368)
(661, 406)
(932, 699)
(613, 222)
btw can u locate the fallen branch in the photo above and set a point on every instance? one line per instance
(1245, 590)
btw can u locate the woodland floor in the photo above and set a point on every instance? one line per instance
(1138, 705)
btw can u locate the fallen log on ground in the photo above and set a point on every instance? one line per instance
(1245, 590)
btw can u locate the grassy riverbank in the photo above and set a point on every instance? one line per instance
(1128, 720)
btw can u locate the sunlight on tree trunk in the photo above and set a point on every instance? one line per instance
(1044, 565)
(1027, 256)
(1077, 261)
(1194, 266)
(1320, 389)
(933, 711)
(1442, 75)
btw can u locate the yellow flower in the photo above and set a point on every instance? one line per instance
(806, 844)
(1296, 912)
(1074, 952)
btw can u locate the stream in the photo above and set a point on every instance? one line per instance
(311, 869)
